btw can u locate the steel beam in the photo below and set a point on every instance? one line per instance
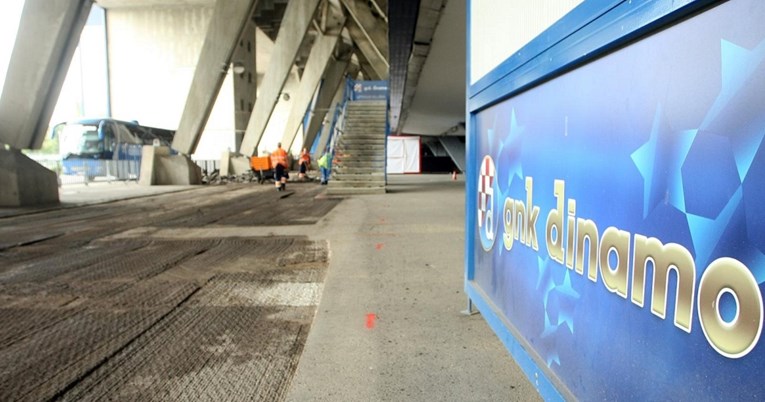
(228, 22)
(297, 19)
(48, 34)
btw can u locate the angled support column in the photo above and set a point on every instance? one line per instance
(374, 30)
(378, 64)
(47, 37)
(326, 130)
(229, 20)
(297, 19)
(318, 59)
(333, 78)
(366, 67)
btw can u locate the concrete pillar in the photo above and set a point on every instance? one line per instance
(47, 37)
(229, 20)
(24, 182)
(318, 59)
(326, 130)
(379, 65)
(333, 78)
(365, 67)
(245, 84)
(294, 25)
(374, 30)
(158, 167)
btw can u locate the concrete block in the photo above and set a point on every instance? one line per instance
(233, 163)
(159, 168)
(24, 182)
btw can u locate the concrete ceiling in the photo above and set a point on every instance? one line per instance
(438, 105)
(152, 3)
(439, 100)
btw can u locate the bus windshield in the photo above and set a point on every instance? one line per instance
(79, 139)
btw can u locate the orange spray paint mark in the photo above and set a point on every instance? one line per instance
(371, 320)
(379, 246)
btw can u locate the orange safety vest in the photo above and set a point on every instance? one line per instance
(305, 158)
(279, 157)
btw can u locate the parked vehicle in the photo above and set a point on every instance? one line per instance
(106, 147)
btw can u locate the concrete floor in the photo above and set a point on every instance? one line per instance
(388, 325)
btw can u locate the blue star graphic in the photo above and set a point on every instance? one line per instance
(706, 233)
(738, 66)
(567, 317)
(664, 152)
(510, 151)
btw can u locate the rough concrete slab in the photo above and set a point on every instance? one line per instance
(389, 326)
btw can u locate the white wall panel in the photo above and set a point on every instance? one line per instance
(499, 28)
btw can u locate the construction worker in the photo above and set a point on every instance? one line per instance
(279, 162)
(324, 166)
(305, 163)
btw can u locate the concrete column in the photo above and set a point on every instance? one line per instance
(229, 20)
(333, 78)
(294, 25)
(365, 67)
(318, 60)
(47, 37)
(374, 30)
(378, 64)
(327, 127)
(245, 84)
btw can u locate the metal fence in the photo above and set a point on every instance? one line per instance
(84, 171)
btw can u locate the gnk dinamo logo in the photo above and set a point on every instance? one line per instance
(486, 220)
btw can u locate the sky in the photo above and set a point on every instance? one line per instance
(10, 12)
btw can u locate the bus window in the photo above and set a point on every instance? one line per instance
(108, 133)
(90, 143)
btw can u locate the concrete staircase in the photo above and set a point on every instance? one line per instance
(359, 164)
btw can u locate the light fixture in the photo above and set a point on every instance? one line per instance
(237, 67)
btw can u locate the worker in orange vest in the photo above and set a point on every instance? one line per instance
(279, 162)
(305, 163)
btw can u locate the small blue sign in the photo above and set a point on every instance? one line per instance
(369, 90)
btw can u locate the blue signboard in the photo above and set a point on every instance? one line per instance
(618, 216)
(369, 90)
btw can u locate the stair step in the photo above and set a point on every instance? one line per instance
(360, 177)
(379, 128)
(354, 190)
(356, 184)
(360, 149)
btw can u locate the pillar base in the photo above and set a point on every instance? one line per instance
(25, 182)
(159, 168)
(234, 164)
